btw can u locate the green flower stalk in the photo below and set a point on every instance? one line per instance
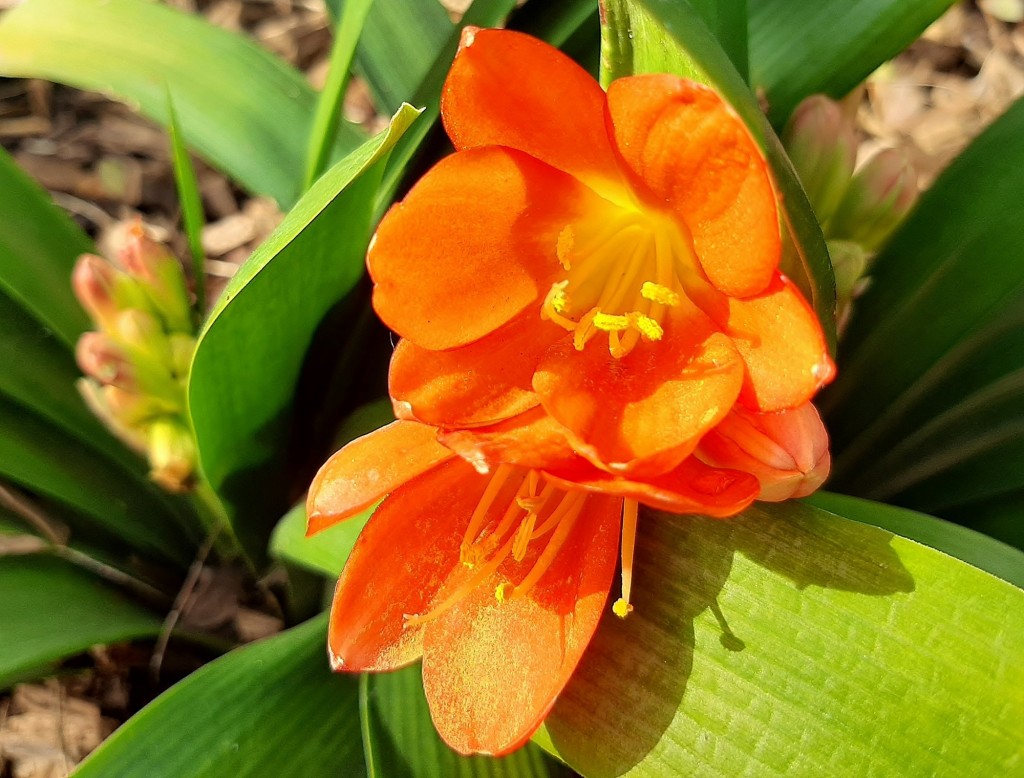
(136, 362)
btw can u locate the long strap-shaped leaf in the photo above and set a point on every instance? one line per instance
(243, 109)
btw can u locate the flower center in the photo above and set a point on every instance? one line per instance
(537, 511)
(624, 269)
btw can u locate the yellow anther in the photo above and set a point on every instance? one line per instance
(503, 591)
(621, 608)
(657, 293)
(646, 326)
(566, 239)
(607, 322)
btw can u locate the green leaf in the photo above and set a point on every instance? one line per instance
(799, 48)
(976, 549)
(928, 407)
(250, 353)
(791, 641)
(728, 23)
(44, 459)
(398, 46)
(38, 248)
(51, 609)
(400, 737)
(323, 553)
(662, 36)
(269, 709)
(329, 105)
(191, 202)
(246, 111)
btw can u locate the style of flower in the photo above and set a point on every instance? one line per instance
(586, 290)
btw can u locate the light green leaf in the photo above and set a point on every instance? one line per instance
(789, 641)
(799, 48)
(51, 609)
(47, 460)
(662, 36)
(399, 44)
(244, 372)
(191, 202)
(982, 551)
(324, 552)
(246, 111)
(270, 709)
(400, 736)
(38, 248)
(928, 407)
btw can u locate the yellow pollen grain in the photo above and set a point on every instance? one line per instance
(647, 326)
(657, 293)
(503, 591)
(621, 608)
(563, 249)
(607, 322)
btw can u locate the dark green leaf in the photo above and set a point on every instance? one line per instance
(789, 641)
(269, 709)
(799, 48)
(191, 201)
(245, 110)
(249, 354)
(51, 609)
(38, 248)
(661, 36)
(928, 408)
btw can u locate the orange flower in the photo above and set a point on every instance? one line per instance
(609, 258)
(497, 580)
(586, 289)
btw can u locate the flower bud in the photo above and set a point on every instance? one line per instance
(161, 275)
(183, 348)
(143, 338)
(823, 149)
(97, 398)
(100, 358)
(103, 290)
(876, 201)
(786, 451)
(172, 455)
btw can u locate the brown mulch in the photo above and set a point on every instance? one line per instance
(105, 165)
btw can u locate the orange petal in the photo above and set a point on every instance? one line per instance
(782, 344)
(370, 467)
(402, 558)
(786, 451)
(693, 152)
(532, 439)
(492, 670)
(692, 487)
(482, 383)
(644, 411)
(471, 245)
(509, 89)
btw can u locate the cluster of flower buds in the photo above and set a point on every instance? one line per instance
(137, 360)
(858, 208)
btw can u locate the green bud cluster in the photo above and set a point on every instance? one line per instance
(136, 361)
(858, 207)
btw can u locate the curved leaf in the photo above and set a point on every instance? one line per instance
(799, 48)
(243, 109)
(51, 609)
(250, 352)
(38, 248)
(791, 641)
(272, 708)
(662, 36)
(928, 408)
(325, 552)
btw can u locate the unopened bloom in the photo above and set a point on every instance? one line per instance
(585, 290)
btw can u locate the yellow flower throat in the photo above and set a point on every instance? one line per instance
(625, 269)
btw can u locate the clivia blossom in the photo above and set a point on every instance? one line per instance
(585, 291)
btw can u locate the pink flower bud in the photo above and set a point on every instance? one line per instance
(114, 417)
(161, 275)
(786, 451)
(101, 359)
(880, 195)
(823, 148)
